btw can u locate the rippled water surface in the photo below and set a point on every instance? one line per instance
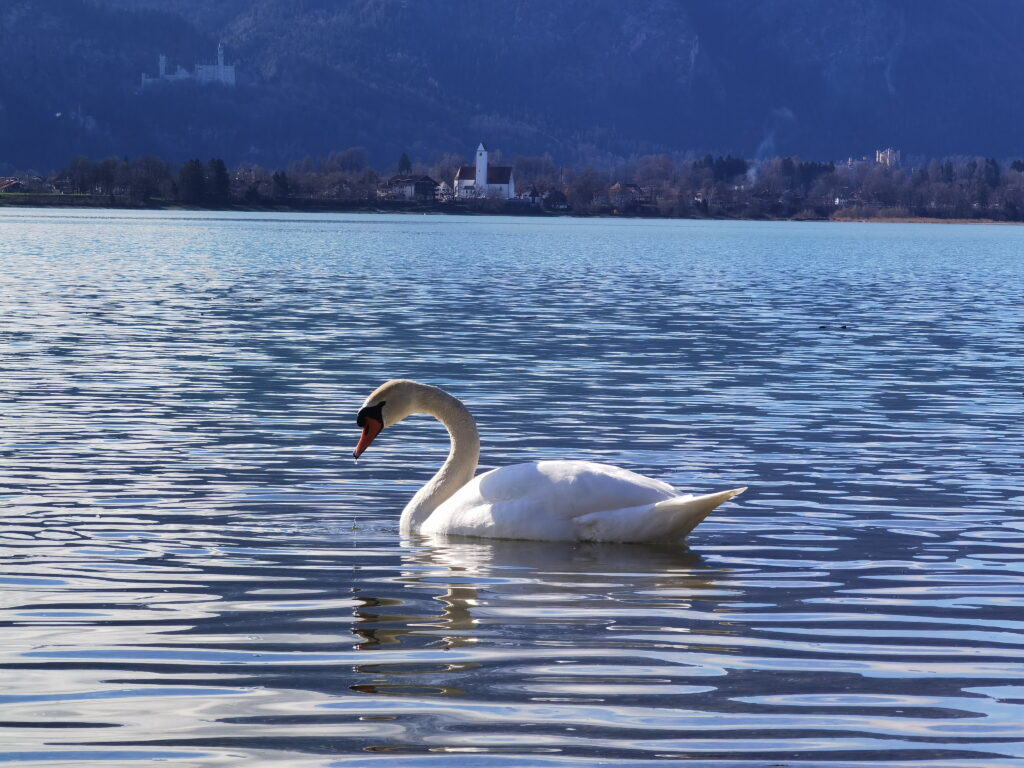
(195, 570)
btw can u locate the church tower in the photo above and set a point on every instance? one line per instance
(481, 170)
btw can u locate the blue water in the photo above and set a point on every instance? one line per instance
(193, 569)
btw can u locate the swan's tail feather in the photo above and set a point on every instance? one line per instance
(688, 512)
(714, 499)
(668, 520)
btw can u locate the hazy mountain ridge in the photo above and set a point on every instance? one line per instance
(583, 79)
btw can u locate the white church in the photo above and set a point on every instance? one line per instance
(484, 180)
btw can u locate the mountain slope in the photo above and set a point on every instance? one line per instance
(587, 80)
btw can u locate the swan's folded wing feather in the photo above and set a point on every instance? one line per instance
(574, 487)
(540, 500)
(667, 520)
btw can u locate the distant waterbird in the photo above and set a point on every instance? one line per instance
(542, 501)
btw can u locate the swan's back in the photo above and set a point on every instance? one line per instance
(540, 500)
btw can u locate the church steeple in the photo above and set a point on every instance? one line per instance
(481, 169)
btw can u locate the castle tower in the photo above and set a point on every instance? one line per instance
(481, 170)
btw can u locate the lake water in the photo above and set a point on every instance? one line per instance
(193, 569)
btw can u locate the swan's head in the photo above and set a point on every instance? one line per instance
(387, 405)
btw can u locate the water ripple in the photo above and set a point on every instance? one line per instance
(194, 572)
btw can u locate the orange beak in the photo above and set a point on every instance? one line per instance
(370, 431)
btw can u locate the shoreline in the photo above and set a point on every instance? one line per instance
(922, 220)
(515, 209)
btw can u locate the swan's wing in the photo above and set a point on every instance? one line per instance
(668, 520)
(540, 500)
(583, 486)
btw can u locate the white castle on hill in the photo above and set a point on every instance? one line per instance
(205, 73)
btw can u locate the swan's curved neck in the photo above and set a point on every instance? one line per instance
(460, 465)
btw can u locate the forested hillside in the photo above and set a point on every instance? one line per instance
(589, 81)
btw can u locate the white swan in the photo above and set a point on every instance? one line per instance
(544, 500)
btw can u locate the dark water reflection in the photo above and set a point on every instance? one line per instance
(193, 570)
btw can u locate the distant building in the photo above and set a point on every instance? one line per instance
(216, 73)
(555, 200)
(402, 187)
(890, 157)
(204, 73)
(484, 179)
(629, 195)
(11, 184)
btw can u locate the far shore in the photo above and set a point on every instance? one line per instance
(481, 208)
(920, 220)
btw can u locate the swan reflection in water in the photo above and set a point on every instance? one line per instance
(493, 593)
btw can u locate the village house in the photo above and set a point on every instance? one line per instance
(405, 187)
(624, 196)
(484, 180)
(555, 200)
(444, 192)
(533, 197)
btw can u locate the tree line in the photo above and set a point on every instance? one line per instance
(658, 185)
